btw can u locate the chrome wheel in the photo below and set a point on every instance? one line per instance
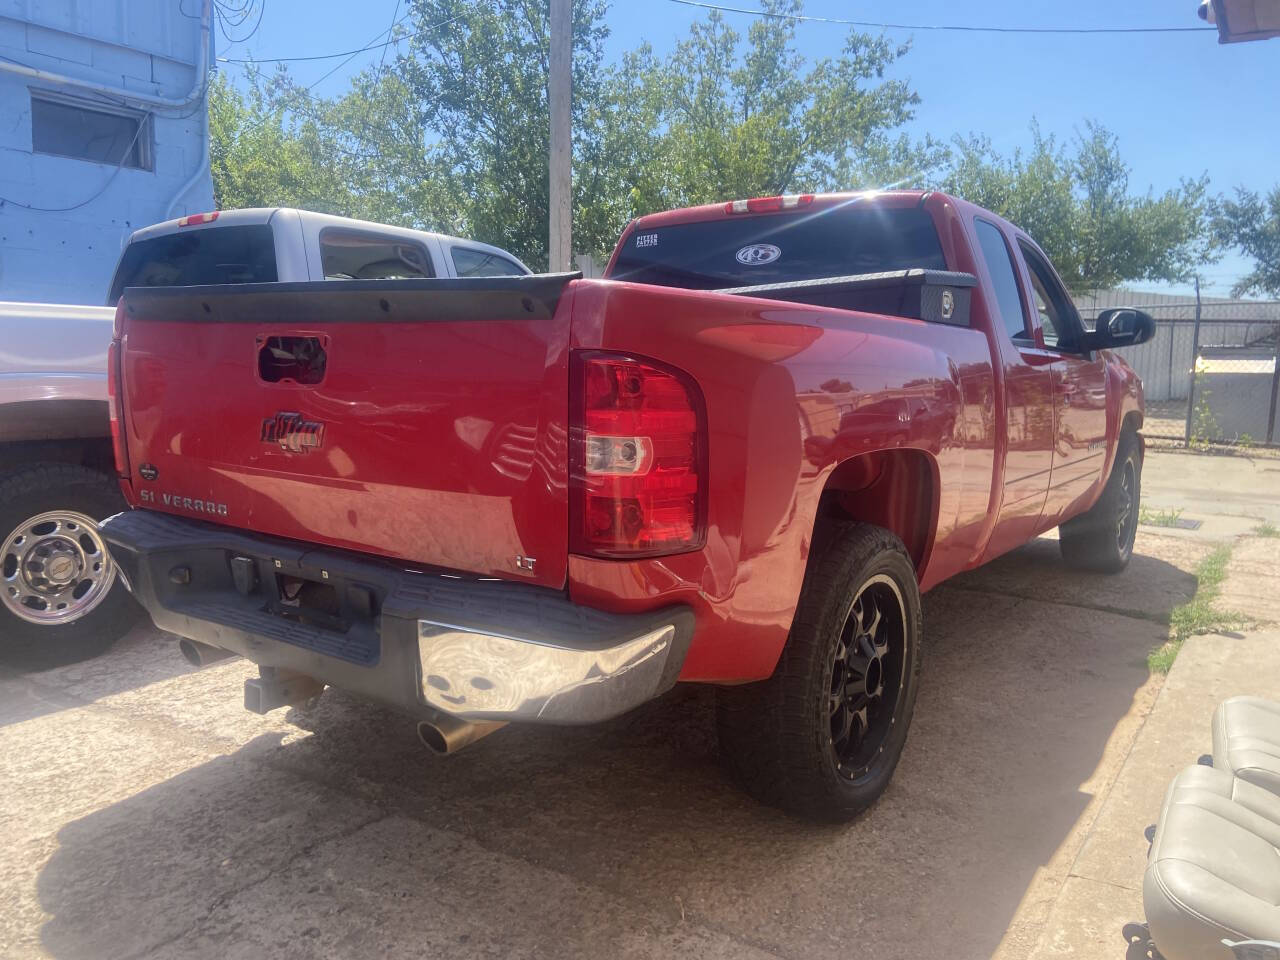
(55, 568)
(867, 675)
(1126, 509)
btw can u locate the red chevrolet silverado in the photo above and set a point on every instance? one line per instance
(737, 459)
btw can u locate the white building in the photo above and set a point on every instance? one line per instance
(103, 129)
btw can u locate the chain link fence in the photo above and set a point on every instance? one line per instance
(1210, 373)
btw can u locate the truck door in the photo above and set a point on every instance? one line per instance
(1079, 392)
(1029, 380)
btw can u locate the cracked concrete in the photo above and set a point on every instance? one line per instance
(145, 814)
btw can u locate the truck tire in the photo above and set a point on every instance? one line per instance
(821, 737)
(1102, 538)
(60, 598)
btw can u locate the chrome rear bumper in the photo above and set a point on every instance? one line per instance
(483, 676)
(421, 643)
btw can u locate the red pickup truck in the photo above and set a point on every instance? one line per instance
(738, 459)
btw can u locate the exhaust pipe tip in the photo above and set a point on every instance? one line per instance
(433, 738)
(444, 734)
(201, 654)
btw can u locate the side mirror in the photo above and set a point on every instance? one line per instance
(1121, 327)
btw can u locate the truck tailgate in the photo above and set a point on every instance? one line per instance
(423, 420)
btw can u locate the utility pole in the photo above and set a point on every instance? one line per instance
(559, 93)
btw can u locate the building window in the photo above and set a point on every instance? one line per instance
(67, 127)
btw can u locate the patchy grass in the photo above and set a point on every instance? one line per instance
(1198, 615)
(1158, 518)
(1267, 530)
(1160, 660)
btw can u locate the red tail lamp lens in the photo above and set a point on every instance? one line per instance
(639, 458)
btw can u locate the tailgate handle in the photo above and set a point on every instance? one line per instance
(299, 359)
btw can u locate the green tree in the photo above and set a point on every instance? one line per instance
(363, 154)
(745, 118)
(452, 135)
(1251, 223)
(721, 117)
(478, 75)
(1075, 201)
(254, 159)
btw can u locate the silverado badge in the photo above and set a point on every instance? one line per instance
(291, 432)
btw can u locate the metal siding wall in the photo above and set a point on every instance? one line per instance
(1152, 362)
(147, 46)
(1167, 375)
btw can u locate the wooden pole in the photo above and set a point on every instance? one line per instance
(559, 93)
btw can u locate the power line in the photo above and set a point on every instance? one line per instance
(306, 91)
(394, 14)
(223, 19)
(936, 26)
(389, 29)
(332, 56)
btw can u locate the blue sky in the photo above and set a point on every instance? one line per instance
(1181, 103)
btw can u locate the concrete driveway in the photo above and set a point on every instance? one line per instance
(144, 813)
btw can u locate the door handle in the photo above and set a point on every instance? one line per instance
(1036, 359)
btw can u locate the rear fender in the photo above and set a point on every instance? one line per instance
(893, 489)
(793, 393)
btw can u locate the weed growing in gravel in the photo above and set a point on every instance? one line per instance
(1158, 518)
(1267, 530)
(1198, 615)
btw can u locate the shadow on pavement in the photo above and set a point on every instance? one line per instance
(1148, 588)
(31, 687)
(627, 838)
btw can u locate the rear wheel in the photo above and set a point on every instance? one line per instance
(60, 597)
(822, 736)
(1102, 538)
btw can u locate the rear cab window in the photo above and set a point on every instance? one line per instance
(744, 250)
(218, 254)
(470, 262)
(355, 255)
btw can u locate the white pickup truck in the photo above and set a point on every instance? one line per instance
(58, 594)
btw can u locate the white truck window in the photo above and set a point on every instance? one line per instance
(469, 262)
(349, 255)
(241, 254)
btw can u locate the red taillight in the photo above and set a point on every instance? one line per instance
(638, 462)
(196, 219)
(118, 446)
(787, 201)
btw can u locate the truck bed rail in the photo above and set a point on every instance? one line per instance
(938, 296)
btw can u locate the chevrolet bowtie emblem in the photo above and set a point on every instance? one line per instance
(291, 432)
